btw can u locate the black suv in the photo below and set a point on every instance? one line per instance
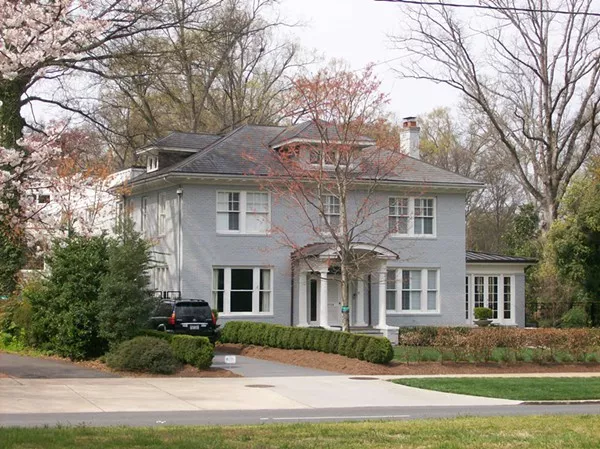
(185, 316)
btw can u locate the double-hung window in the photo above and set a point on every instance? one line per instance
(242, 290)
(412, 291)
(409, 216)
(162, 213)
(331, 210)
(243, 212)
(144, 215)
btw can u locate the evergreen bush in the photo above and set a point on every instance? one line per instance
(143, 354)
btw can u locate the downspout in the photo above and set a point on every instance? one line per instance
(292, 295)
(179, 239)
(369, 297)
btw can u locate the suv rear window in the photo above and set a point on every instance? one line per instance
(164, 309)
(197, 310)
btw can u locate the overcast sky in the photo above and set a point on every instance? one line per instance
(357, 31)
(352, 30)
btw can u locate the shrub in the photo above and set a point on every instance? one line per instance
(361, 345)
(378, 350)
(143, 354)
(372, 349)
(156, 334)
(196, 351)
(575, 317)
(418, 336)
(125, 302)
(64, 316)
(483, 313)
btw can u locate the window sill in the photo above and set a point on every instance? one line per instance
(245, 314)
(242, 234)
(415, 313)
(413, 236)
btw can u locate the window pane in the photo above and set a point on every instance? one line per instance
(415, 279)
(478, 292)
(431, 300)
(431, 280)
(415, 300)
(390, 300)
(405, 300)
(418, 226)
(218, 279)
(234, 221)
(467, 297)
(428, 226)
(257, 202)
(405, 279)
(241, 301)
(507, 299)
(265, 279)
(493, 295)
(398, 225)
(391, 279)
(265, 302)
(257, 223)
(241, 279)
(234, 201)
(223, 221)
(218, 300)
(333, 220)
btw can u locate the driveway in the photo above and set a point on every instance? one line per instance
(36, 368)
(249, 367)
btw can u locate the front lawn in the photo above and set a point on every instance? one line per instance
(547, 432)
(517, 388)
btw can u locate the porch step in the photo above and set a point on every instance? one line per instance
(366, 331)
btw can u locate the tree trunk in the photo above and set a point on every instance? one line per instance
(549, 213)
(345, 303)
(11, 121)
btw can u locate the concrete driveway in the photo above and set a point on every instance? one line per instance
(36, 368)
(194, 394)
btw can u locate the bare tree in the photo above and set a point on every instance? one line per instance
(331, 173)
(205, 75)
(534, 74)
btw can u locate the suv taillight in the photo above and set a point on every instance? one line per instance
(214, 318)
(172, 319)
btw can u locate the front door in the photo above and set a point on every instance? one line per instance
(334, 301)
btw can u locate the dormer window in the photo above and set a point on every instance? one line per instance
(152, 164)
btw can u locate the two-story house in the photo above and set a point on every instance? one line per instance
(204, 204)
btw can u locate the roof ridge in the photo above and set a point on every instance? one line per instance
(443, 169)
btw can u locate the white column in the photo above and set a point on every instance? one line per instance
(382, 295)
(360, 303)
(323, 299)
(302, 303)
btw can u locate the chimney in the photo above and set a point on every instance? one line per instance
(410, 136)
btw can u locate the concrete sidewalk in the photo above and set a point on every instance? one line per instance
(180, 394)
(250, 367)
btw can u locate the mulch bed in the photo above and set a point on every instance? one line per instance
(345, 365)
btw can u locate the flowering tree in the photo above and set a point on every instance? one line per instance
(41, 39)
(330, 169)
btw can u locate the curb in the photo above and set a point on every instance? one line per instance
(567, 402)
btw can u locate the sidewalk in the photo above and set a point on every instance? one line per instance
(181, 394)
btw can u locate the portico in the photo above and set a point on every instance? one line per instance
(318, 276)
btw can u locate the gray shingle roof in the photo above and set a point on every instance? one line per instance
(310, 131)
(192, 141)
(246, 151)
(479, 257)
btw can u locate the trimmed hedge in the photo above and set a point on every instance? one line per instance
(196, 351)
(143, 354)
(363, 347)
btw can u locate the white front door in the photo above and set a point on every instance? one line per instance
(334, 301)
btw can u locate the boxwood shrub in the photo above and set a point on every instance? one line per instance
(363, 347)
(196, 351)
(144, 354)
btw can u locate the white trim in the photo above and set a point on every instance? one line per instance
(364, 143)
(411, 218)
(398, 311)
(162, 198)
(382, 252)
(255, 290)
(243, 212)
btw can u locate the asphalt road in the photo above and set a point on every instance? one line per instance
(229, 417)
(37, 368)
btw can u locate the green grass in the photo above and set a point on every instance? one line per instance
(547, 432)
(412, 354)
(517, 388)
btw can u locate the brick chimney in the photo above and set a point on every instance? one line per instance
(410, 136)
